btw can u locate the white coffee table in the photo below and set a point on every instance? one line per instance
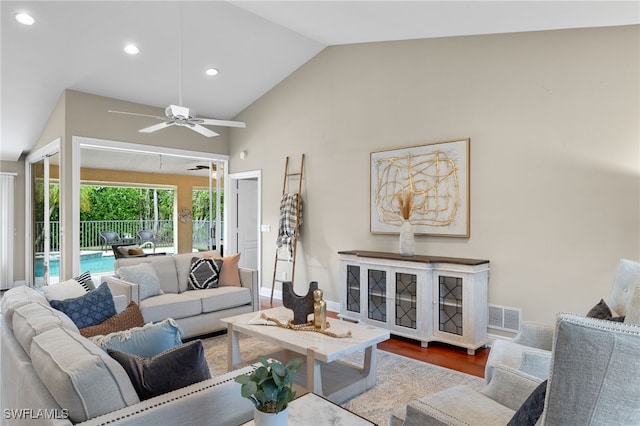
(311, 409)
(324, 374)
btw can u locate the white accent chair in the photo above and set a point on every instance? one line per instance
(594, 376)
(530, 350)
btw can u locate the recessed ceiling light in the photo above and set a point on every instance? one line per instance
(211, 72)
(25, 18)
(131, 49)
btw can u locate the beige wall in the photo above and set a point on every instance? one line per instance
(555, 158)
(19, 216)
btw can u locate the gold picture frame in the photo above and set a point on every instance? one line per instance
(435, 176)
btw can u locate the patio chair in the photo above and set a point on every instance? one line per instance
(147, 237)
(109, 237)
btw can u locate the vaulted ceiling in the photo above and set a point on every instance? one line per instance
(254, 44)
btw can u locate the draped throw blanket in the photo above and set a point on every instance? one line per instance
(289, 220)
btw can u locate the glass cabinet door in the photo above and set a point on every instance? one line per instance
(406, 311)
(450, 308)
(377, 295)
(353, 288)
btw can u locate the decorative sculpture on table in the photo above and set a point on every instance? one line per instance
(301, 306)
(319, 311)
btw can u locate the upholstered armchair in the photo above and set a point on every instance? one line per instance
(593, 380)
(530, 350)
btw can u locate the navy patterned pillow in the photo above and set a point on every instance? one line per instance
(204, 273)
(91, 309)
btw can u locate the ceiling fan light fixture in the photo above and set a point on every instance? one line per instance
(25, 18)
(131, 49)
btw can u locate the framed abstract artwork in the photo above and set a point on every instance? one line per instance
(434, 178)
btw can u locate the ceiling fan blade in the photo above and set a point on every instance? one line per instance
(139, 115)
(156, 127)
(227, 123)
(203, 130)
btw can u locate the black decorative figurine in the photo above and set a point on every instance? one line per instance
(301, 306)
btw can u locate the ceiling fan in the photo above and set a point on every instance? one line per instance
(201, 167)
(177, 115)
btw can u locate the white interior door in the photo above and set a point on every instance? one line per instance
(247, 231)
(242, 214)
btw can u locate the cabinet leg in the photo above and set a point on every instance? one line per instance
(471, 352)
(424, 344)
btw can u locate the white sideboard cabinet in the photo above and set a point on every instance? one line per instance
(427, 298)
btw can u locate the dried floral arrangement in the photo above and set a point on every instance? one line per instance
(405, 204)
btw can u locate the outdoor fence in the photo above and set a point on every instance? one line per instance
(90, 232)
(90, 238)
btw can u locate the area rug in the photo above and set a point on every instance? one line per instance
(399, 379)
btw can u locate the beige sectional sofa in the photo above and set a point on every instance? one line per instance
(198, 312)
(51, 375)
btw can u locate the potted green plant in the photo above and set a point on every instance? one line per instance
(269, 388)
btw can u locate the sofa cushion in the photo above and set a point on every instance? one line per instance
(633, 308)
(81, 377)
(173, 369)
(625, 281)
(91, 309)
(163, 265)
(16, 297)
(204, 273)
(170, 305)
(230, 272)
(446, 406)
(217, 299)
(63, 290)
(35, 318)
(145, 341)
(129, 318)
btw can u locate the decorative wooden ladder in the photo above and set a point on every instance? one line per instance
(279, 261)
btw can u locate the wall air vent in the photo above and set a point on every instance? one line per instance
(504, 318)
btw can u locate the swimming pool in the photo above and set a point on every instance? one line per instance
(93, 262)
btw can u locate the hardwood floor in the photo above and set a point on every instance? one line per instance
(436, 353)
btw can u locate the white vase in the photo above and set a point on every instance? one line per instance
(406, 239)
(261, 418)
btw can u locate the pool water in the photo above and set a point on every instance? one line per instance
(92, 262)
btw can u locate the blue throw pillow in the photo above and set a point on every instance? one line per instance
(146, 341)
(144, 275)
(91, 309)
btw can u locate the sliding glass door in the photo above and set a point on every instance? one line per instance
(45, 223)
(207, 208)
